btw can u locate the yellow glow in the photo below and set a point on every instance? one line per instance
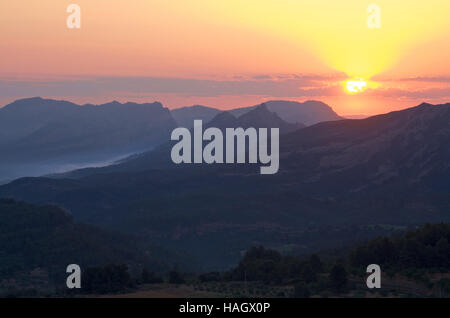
(355, 86)
(188, 38)
(337, 31)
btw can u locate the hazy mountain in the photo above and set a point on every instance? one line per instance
(308, 113)
(185, 116)
(355, 116)
(36, 132)
(40, 136)
(335, 178)
(258, 117)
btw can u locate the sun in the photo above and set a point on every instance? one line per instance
(355, 86)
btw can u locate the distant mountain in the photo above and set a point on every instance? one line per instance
(185, 116)
(40, 136)
(37, 132)
(307, 113)
(257, 117)
(355, 116)
(387, 171)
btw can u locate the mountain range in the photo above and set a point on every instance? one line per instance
(336, 180)
(306, 113)
(40, 136)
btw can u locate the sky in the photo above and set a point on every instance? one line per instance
(230, 53)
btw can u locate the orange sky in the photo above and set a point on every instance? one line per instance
(277, 49)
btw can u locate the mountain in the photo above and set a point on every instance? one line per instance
(258, 117)
(355, 116)
(41, 136)
(261, 116)
(407, 147)
(36, 132)
(307, 113)
(185, 116)
(337, 180)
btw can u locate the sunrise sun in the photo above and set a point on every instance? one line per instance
(355, 86)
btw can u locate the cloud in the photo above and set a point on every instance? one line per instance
(423, 79)
(293, 86)
(430, 93)
(276, 86)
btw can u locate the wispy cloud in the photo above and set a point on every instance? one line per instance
(238, 89)
(268, 85)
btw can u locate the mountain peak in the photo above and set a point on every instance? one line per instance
(425, 104)
(27, 101)
(308, 113)
(30, 99)
(223, 120)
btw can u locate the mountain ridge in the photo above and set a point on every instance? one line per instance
(390, 169)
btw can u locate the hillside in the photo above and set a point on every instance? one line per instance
(44, 239)
(336, 180)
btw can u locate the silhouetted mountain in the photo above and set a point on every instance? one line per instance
(355, 116)
(261, 116)
(336, 179)
(410, 147)
(185, 116)
(223, 120)
(258, 117)
(40, 131)
(307, 113)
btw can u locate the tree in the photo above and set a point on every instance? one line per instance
(175, 278)
(308, 274)
(109, 278)
(316, 263)
(301, 291)
(150, 277)
(338, 278)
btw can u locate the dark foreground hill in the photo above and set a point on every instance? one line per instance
(41, 241)
(338, 182)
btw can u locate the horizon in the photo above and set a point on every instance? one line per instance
(123, 102)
